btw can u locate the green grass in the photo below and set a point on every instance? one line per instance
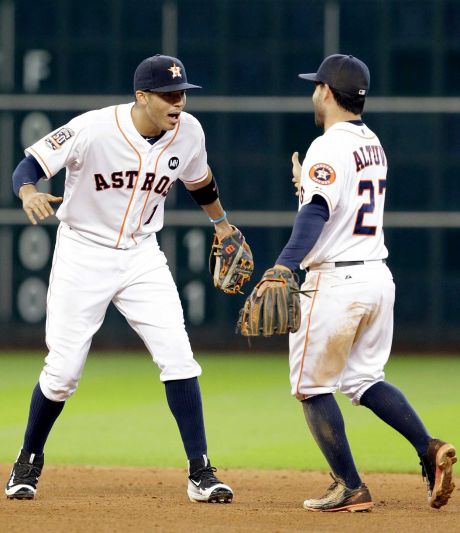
(119, 415)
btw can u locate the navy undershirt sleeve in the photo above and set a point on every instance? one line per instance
(307, 228)
(28, 171)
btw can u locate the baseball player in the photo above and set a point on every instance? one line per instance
(345, 333)
(120, 162)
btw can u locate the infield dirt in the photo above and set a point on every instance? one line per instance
(95, 499)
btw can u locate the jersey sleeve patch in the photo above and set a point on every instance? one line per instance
(322, 173)
(58, 138)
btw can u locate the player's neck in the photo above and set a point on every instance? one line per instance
(339, 116)
(143, 124)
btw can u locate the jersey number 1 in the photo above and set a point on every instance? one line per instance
(367, 207)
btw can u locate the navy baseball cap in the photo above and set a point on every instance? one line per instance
(345, 73)
(161, 74)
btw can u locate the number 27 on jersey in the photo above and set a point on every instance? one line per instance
(366, 187)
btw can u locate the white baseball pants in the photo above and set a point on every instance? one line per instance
(346, 331)
(85, 278)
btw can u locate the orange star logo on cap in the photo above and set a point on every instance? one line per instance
(175, 71)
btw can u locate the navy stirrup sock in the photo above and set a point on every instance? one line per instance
(42, 415)
(184, 400)
(390, 404)
(326, 424)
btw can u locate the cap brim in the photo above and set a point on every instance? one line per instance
(310, 77)
(173, 88)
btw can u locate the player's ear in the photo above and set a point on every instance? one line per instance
(327, 94)
(140, 97)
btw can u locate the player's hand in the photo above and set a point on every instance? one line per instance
(296, 172)
(223, 229)
(37, 205)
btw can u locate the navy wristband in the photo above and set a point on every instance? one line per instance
(207, 194)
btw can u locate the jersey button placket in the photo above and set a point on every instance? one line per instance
(137, 203)
(144, 190)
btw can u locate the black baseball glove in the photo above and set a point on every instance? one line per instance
(230, 262)
(273, 307)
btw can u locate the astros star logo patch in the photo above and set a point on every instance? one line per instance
(175, 71)
(322, 173)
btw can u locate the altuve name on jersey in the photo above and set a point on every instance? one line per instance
(128, 180)
(369, 155)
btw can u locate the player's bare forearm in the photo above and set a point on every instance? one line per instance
(216, 212)
(37, 205)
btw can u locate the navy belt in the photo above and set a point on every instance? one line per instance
(348, 263)
(351, 263)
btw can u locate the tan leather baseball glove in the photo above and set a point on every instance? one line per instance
(273, 307)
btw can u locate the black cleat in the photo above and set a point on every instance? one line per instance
(203, 486)
(22, 484)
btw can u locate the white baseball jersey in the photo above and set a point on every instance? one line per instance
(116, 181)
(346, 330)
(115, 189)
(347, 166)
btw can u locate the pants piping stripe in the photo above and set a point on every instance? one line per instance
(308, 330)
